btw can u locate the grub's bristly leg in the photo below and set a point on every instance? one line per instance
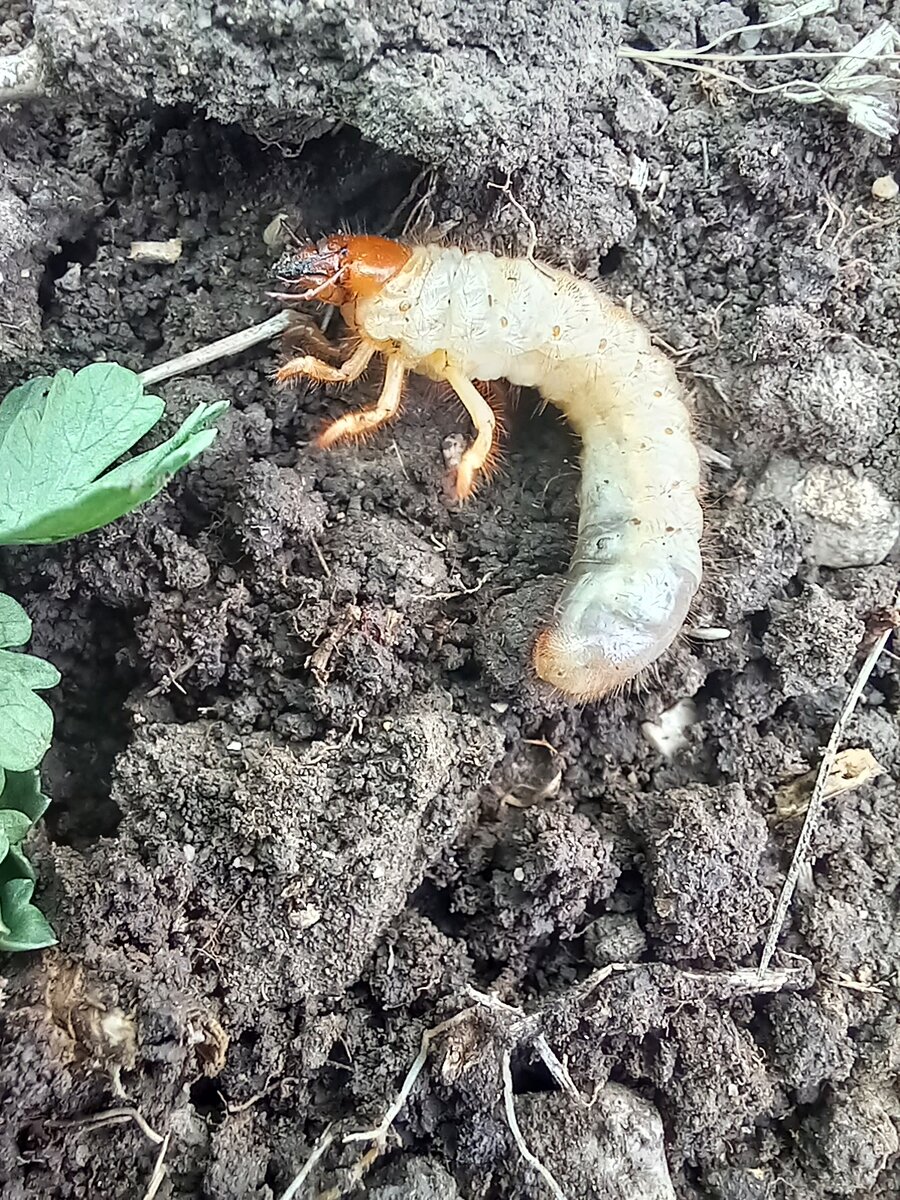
(366, 420)
(307, 367)
(478, 454)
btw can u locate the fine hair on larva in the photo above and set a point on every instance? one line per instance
(458, 316)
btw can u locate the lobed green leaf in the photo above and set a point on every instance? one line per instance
(22, 927)
(57, 437)
(22, 924)
(21, 790)
(26, 722)
(15, 623)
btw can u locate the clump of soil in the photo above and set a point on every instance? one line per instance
(308, 803)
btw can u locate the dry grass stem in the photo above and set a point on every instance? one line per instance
(818, 797)
(235, 343)
(509, 1107)
(863, 84)
(309, 1166)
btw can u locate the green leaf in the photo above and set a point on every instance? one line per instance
(13, 828)
(30, 671)
(22, 804)
(22, 925)
(16, 866)
(26, 726)
(57, 436)
(61, 437)
(15, 623)
(28, 397)
(26, 722)
(22, 792)
(128, 486)
(14, 825)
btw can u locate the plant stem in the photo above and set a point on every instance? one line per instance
(233, 344)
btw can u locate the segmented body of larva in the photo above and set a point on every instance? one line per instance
(460, 316)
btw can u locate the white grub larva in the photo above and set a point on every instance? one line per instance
(460, 316)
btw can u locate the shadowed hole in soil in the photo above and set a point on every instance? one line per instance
(434, 903)
(355, 175)
(338, 1057)
(611, 260)
(92, 729)
(80, 252)
(759, 622)
(532, 1077)
(207, 1100)
(628, 896)
(808, 1113)
(888, 682)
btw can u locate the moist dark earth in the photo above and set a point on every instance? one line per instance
(308, 803)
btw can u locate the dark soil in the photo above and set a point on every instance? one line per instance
(306, 795)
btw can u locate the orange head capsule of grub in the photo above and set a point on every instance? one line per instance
(340, 268)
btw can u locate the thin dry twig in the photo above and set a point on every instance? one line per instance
(235, 1110)
(378, 1135)
(122, 1116)
(400, 461)
(509, 1107)
(428, 173)
(817, 799)
(462, 591)
(320, 556)
(111, 1116)
(523, 1028)
(380, 1132)
(235, 343)
(159, 1170)
(309, 1166)
(494, 1003)
(532, 228)
(355, 1176)
(832, 211)
(558, 1069)
(745, 981)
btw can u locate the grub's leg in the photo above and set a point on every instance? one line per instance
(367, 420)
(478, 454)
(307, 367)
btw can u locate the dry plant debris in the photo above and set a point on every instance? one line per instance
(863, 84)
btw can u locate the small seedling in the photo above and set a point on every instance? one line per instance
(59, 439)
